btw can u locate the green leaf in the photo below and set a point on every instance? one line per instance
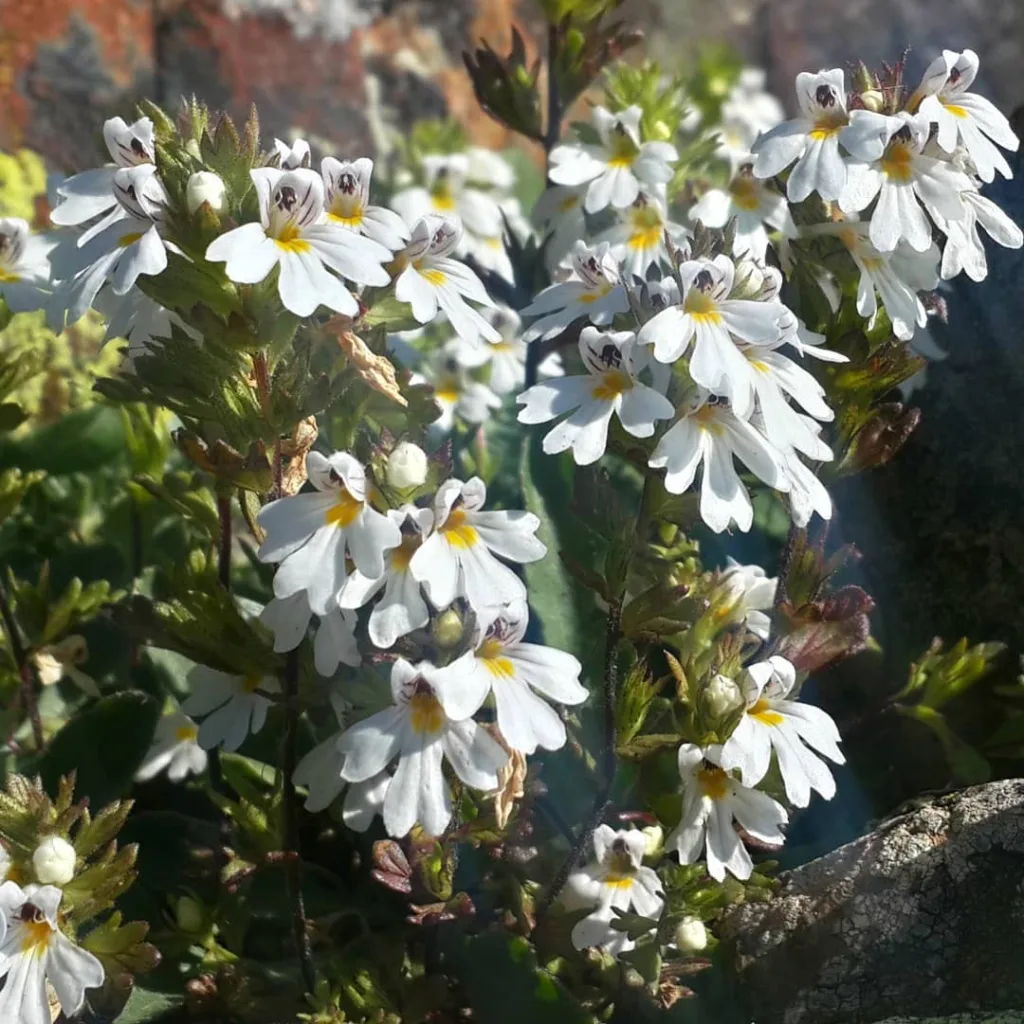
(146, 1007)
(81, 441)
(105, 744)
(969, 767)
(394, 315)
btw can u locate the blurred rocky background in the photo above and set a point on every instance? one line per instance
(941, 527)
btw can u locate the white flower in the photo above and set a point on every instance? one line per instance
(35, 954)
(964, 249)
(638, 240)
(709, 318)
(712, 800)
(420, 734)
(407, 466)
(288, 619)
(507, 357)
(806, 494)
(559, 214)
(753, 205)
(691, 935)
(123, 248)
(432, 281)
(490, 251)
(53, 861)
(880, 272)
(710, 433)
(319, 772)
(174, 748)
(459, 556)
(615, 880)
(964, 116)
(455, 391)
(401, 608)
(813, 139)
(517, 673)
(595, 291)
(292, 157)
(24, 265)
(206, 187)
(310, 533)
(904, 179)
(775, 376)
(722, 695)
(747, 111)
(90, 193)
(347, 199)
(232, 707)
(293, 233)
(774, 722)
(750, 592)
(143, 323)
(617, 167)
(609, 387)
(446, 194)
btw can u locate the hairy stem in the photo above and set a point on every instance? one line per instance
(224, 543)
(293, 861)
(553, 130)
(262, 376)
(28, 680)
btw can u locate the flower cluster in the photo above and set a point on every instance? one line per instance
(759, 717)
(431, 577)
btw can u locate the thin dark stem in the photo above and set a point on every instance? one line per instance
(552, 133)
(28, 681)
(293, 863)
(224, 544)
(262, 376)
(785, 561)
(608, 762)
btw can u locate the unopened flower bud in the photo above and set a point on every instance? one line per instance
(407, 466)
(54, 861)
(654, 840)
(448, 628)
(722, 695)
(872, 100)
(188, 914)
(661, 131)
(691, 935)
(205, 187)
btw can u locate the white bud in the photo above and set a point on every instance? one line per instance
(691, 935)
(54, 861)
(722, 695)
(205, 187)
(873, 100)
(407, 466)
(654, 840)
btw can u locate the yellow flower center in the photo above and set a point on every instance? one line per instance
(621, 873)
(956, 111)
(763, 712)
(707, 420)
(186, 733)
(402, 555)
(425, 713)
(647, 228)
(352, 218)
(623, 150)
(129, 239)
(458, 532)
(344, 511)
(702, 307)
(251, 684)
(898, 163)
(447, 395)
(713, 781)
(593, 294)
(8, 276)
(491, 654)
(612, 384)
(745, 193)
(36, 937)
(289, 240)
(616, 881)
(826, 129)
(434, 276)
(442, 197)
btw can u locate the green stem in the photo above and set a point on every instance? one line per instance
(28, 681)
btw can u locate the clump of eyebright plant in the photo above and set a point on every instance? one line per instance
(457, 715)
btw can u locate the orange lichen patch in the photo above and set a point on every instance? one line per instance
(123, 35)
